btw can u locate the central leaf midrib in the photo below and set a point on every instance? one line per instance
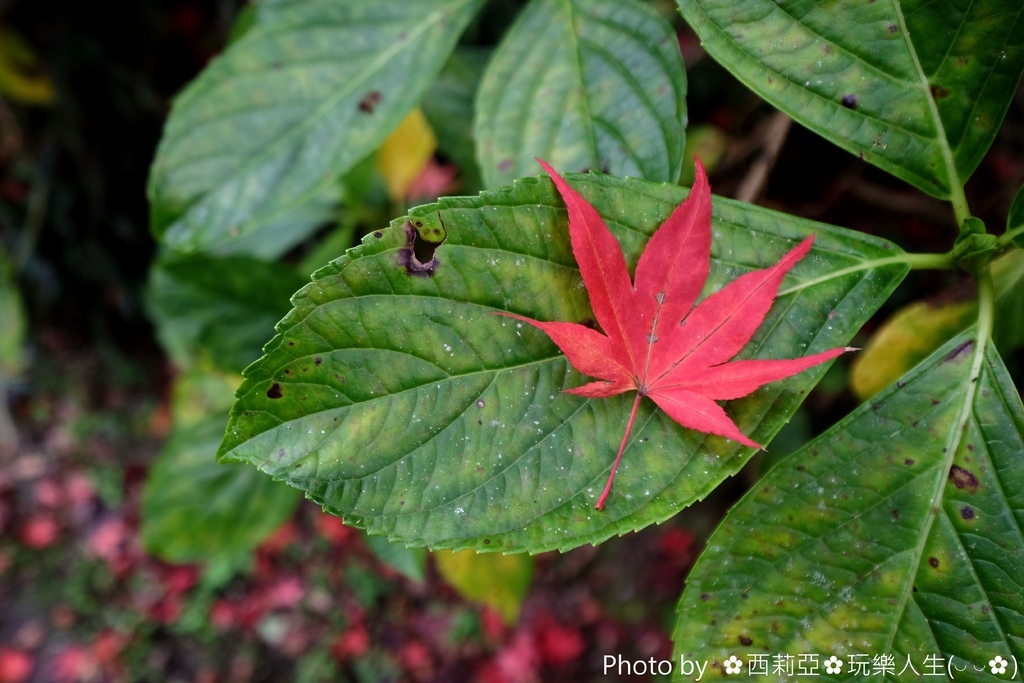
(952, 175)
(940, 138)
(388, 396)
(957, 431)
(810, 539)
(541, 512)
(461, 495)
(579, 87)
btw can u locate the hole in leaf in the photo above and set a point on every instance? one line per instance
(417, 257)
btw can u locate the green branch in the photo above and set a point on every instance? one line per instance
(960, 208)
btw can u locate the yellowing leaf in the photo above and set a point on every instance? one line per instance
(913, 332)
(904, 340)
(498, 581)
(20, 77)
(1008, 278)
(405, 153)
(200, 392)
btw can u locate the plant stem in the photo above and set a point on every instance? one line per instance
(929, 261)
(1007, 237)
(959, 201)
(915, 261)
(622, 447)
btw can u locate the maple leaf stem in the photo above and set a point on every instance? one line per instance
(622, 447)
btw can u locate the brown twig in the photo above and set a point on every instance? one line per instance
(772, 136)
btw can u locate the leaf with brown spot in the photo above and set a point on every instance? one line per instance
(932, 83)
(870, 554)
(250, 153)
(433, 421)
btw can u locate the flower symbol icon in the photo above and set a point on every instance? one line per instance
(733, 665)
(833, 665)
(998, 665)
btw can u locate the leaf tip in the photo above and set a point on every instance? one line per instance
(700, 176)
(548, 168)
(748, 442)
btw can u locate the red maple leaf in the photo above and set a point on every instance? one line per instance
(655, 341)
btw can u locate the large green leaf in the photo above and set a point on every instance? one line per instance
(586, 85)
(221, 309)
(395, 396)
(916, 87)
(898, 532)
(307, 91)
(194, 509)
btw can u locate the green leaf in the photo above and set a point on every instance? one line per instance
(199, 393)
(1015, 219)
(15, 326)
(410, 562)
(498, 581)
(217, 308)
(904, 340)
(194, 509)
(333, 244)
(917, 88)
(896, 532)
(309, 89)
(12, 352)
(1008, 277)
(244, 20)
(916, 330)
(400, 400)
(585, 85)
(449, 107)
(269, 236)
